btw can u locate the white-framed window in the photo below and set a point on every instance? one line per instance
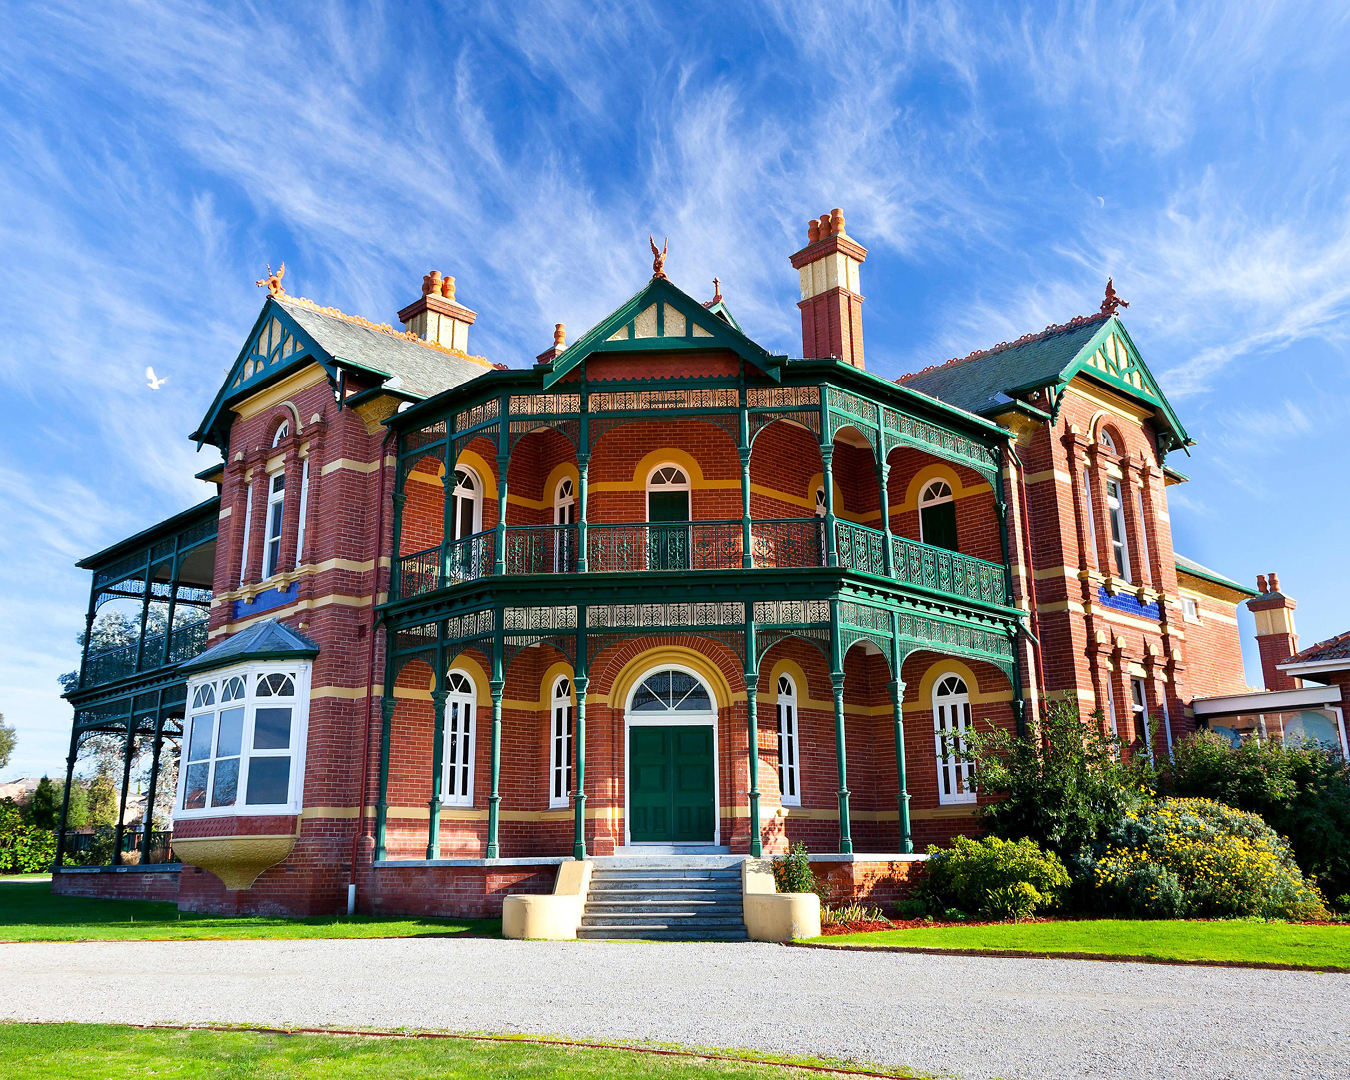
(951, 721)
(560, 745)
(244, 741)
(1139, 711)
(460, 731)
(1190, 609)
(564, 503)
(248, 525)
(466, 510)
(668, 494)
(276, 513)
(1120, 545)
(283, 432)
(820, 501)
(1111, 703)
(304, 509)
(937, 515)
(1144, 564)
(789, 778)
(1104, 437)
(1088, 516)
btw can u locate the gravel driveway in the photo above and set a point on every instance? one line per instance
(972, 1017)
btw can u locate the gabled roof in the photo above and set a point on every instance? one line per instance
(662, 318)
(1096, 346)
(270, 640)
(1337, 648)
(292, 332)
(1190, 566)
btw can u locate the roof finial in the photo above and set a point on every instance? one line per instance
(272, 282)
(717, 290)
(659, 257)
(1112, 301)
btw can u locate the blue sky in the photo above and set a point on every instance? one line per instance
(999, 161)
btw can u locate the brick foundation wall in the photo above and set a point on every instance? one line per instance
(113, 884)
(879, 883)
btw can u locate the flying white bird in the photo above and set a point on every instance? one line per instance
(155, 384)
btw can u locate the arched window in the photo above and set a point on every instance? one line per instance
(1107, 442)
(466, 511)
(283, 432)
(820, 501)
(951, 720)
(457, 755)
(564, 503)
(668, 494)
(937, 515)
(668, 538)
(276, 511)
(671, 691)
(788, 780)
(560, 767)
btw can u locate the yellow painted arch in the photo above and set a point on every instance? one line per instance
(666, 656)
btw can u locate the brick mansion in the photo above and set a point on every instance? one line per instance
(448, 629)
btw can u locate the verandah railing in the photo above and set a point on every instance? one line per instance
(185, 642)
(700, 545)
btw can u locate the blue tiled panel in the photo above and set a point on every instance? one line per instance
(266, 601)
(1128, 603)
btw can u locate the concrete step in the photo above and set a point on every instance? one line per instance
(671, 919)
(683, 873)
(659, 933)
(662, 899)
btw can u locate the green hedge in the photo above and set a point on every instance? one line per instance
(992, 878)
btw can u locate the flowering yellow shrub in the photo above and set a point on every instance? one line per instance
(1197, 857)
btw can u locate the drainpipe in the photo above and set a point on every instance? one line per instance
(1031, 568)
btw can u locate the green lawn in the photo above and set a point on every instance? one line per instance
(1232, 942)
(111, 1053)
(29, 912)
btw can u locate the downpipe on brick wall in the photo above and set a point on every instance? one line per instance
(1035, 630)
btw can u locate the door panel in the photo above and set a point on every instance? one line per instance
(672, 791)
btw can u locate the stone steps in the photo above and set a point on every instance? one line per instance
(684, 899)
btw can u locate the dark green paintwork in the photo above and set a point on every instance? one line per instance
(672, 794)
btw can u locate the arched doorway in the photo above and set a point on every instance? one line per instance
(671, 748)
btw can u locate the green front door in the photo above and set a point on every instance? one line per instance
(672, 792)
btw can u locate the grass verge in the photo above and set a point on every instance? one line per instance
(29, 912)
(1220, 942)
(40, 1051)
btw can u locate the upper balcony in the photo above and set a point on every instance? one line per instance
(729, 474)
(148, 604)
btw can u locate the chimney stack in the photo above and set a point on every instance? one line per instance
(436, 317)
(1276, 637)
(831, 304)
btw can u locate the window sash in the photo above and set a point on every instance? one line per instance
(1144, 564)
(276, 513)
(1139, 710)
(304, 506)
(789, 785)
(1091, 519)
(560, 779)
(248, 522)
(956, 773)
(1119, 537)
(458, 751)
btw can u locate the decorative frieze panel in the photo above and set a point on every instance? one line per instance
(900, 429)
(655, 616)
(539, 620)
(608, 401)
(545, 404)
(785, 613)
(423, 437)
(477, 415)
(782, 397)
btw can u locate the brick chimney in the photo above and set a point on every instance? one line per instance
(831, 304)
(1275, 633)
(436, 317)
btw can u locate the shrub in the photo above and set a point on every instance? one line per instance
(792, 873)
(834, 914)
(24, 849)
(1199, 858)
(996, 878)
(1063, 790)
(1302, 791)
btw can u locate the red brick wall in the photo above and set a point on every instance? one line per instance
(111, 885)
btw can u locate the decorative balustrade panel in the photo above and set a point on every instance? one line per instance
(860, 548)
(106, 667)
(543, 549)
(471, 558)
(418, 573)
(187, 641)
(698, 545)
(791, 543)
(949, 571)
(113, 664)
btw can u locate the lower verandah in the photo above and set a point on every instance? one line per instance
(529, 826)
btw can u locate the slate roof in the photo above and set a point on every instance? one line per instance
(1190, 566)
(977, 383)
(1337, 648)
(424, 370)
(270, 640)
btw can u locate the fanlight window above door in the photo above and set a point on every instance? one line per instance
(672, 691)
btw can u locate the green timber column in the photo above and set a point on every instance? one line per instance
(395, 568)
(752, 725)
(156, 747)
(496, 684)
(499, 562)
(831, 545)
(583, 468)
(887, 555)
(438, 697)
(167, 646)
(747, 558)
(65, 799)
(382, 804)
(897, 689)
(1001, 508)
(126, 772)
(145, 617)
(582, 684)
(840, 751)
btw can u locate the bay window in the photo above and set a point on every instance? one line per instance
(244, 744)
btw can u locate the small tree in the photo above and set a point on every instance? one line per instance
(7, 741)
(45, 809)
(1063, 790)
(102, 801)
